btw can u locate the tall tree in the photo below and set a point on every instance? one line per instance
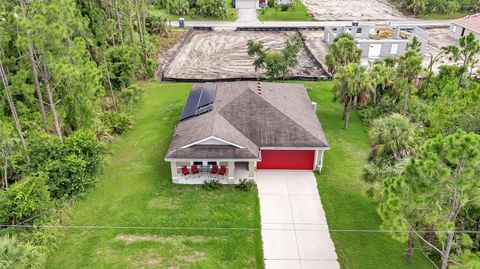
(13, 109)
(33, 63)
(352, 88)
(466, 54)
(382, 77)
(437, 185)
(408, 69)
(342, 52)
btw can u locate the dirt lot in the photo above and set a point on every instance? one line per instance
(223, 55)
(360, 10)
(314, 41)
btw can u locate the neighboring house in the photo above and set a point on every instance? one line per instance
(464, 26)
(379, 41)
(249, 3)
(246, 126)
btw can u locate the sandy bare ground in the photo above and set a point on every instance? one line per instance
(360, 10)
(223, 55)
(314, 41)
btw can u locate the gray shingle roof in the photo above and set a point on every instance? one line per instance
(281, 116)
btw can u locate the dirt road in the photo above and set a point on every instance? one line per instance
(360, 10)
(223, 54)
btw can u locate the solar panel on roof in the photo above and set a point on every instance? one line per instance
(204, 109)
(199, 101)
(190, 107)
(207, 97)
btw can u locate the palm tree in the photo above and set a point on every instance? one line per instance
(408, 69)
(343, 51)
(382, 78)
(393, 135)
(16, 254)
(352, 88)
(416, 6)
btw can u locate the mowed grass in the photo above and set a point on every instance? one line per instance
(135, 190)
(346, 204)
(298, 13)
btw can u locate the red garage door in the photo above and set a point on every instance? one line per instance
(287, 159)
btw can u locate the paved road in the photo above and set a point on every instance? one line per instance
(233, 24)
(294, 228)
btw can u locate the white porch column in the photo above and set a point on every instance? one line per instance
(320, 160)
(174, 170)
(231, 172)
(251, 170)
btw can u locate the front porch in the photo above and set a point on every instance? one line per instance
(235, 171)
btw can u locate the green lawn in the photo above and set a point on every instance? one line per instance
(298, 13)
(136, 190)
(231, 14)
(435, 16)
(343, 192)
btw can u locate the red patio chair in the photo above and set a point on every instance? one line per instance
(195, 171)
(185, 172)
(214, 170)
(222, 171)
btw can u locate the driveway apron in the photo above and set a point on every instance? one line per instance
(294, 228)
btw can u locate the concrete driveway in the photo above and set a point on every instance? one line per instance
(247, 15)
(294, 228)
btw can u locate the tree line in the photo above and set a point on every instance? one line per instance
(67, 69)
(425, 7)
(424, 162)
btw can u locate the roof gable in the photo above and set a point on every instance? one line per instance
(264, 124)
(471, 22)
(212, 141)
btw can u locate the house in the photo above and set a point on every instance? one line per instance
(379, 41)
(247, 126)
(249, 3)
(464, 26)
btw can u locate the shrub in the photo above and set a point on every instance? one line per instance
(369, 113)
(284, 7)
(246, 185)
(178, 7)
(122, 64)
(70, 167)
(159, 3)
(131, 95)
(115, 123)
(24, 199)
(212, 184)
(211, 8)
(271, 3)
(21, 255)
(157, 24)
